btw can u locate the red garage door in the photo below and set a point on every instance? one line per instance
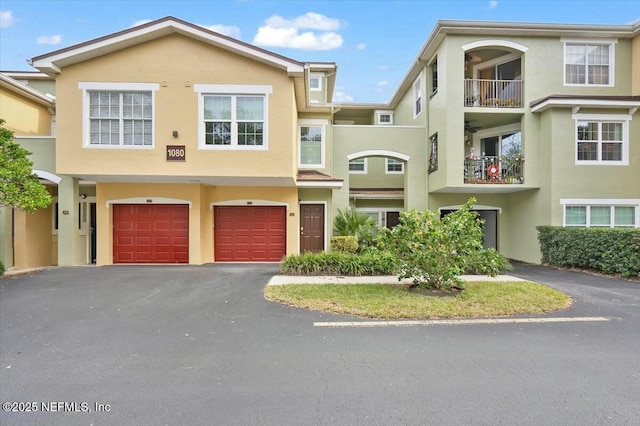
(150, 233)
(250, 234)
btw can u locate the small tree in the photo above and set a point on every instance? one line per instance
(433, 251)
(19, 186)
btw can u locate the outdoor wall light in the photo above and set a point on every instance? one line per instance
(175, 133)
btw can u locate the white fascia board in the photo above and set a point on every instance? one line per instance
(130, 38)
(584, 103)
(319, 184)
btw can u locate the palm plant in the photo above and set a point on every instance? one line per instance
(350, 222)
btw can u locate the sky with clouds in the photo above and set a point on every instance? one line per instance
(373, 42)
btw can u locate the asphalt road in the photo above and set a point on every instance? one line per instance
(199, 345)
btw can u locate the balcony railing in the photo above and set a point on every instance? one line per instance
(493, 93)
(501, 170)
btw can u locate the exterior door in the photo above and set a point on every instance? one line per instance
(393, 219)
(311, 227)
(92, 233)
(489, 227)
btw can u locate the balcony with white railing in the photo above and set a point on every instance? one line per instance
(493, 93)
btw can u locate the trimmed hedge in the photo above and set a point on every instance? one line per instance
(608, 250)
(344, 244)
(337, 263)
(1, 269)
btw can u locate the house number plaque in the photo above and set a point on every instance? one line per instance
(175, 153)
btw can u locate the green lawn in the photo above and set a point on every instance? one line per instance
(479, 299)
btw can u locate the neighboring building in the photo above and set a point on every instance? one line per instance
(176, 144)
(28, 107)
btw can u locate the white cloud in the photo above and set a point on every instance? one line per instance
(6, 18)
(281, 32)
(340, 96)
(51, 40)
(141, 22)
(382, 83)
(310, 20)
(361, 46)
(493, 4)
(228, 30)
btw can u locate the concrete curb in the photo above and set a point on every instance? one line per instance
(380, 279)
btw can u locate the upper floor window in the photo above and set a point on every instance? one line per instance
(434, 77)
(233, 117)
(315, 82)
(118, 114)
(417, 96)
(311, 143)
(384, 117)
(358, 166)
(588, 63)
(234, 120)
(601, 213)
(602, 139)
(393, 166)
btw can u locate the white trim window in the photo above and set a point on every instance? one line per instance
(434, 76)
(602, 139)
(384, 118)
(236, 120)
(393, 166)
(417, 96)
(605, 213)
(233, 117)
(589, 63)
(315, 82)
(358, 166)
(311, 143)
(118, 115)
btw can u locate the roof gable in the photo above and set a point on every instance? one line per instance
(53, 62)
(26, 91)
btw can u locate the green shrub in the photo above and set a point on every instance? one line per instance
(1, 269)
(433, 251)
(344, 244)
(337, 263)
(488, 262)
(608, 250)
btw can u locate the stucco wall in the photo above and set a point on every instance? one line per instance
(176, 63)
(24, 116)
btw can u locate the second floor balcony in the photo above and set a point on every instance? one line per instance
(493, 93)
(494, 170)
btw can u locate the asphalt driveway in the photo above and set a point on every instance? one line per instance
(199, 345)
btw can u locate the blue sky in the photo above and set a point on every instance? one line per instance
(373, 42)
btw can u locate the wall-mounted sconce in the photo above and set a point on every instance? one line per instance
(175, 134)
(83, 196)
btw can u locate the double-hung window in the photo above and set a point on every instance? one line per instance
(393, 166)
(118, 114)
(417, 96)
(358, 166)
(234, 120)
(311, 143)
(589, 63)
(602, 139)
(602, 213)
(233, 117)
